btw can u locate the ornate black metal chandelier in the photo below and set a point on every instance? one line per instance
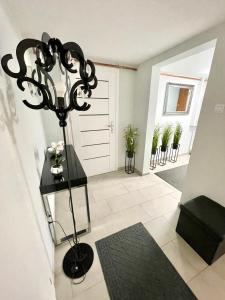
(48, 52)
(60, 97)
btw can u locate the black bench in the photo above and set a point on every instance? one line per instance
(202, 225)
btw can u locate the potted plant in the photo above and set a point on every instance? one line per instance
(154, 153)
(130, 134)
(166, 135)
(155, 139)
(56, 150)
(177, 136)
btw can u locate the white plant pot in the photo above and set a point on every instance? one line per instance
(57, 170)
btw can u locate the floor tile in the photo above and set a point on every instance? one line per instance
(187, 262)
(109, 179)
(161, 230)
(210, 284)
(97, 292)
(125, 201)
(98, 231)
(160, 206)
(60, 252)
(177, 195)
(124, 218)
(98, 210)
(156, 191)
(219, 266)
(103, 193)
(172, 217)
(138, 182)
(63, 287)
(182, 160)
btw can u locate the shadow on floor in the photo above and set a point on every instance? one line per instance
(175, 176)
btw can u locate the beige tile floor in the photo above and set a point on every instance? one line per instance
(182, 160)
(119, 200)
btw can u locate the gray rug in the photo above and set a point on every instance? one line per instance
(135, 268)
(175, 176)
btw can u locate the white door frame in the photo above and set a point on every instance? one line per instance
(72, 135)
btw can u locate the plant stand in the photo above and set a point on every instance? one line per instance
(174, 151)
(163, 156)
(154, 159)
(129, 162)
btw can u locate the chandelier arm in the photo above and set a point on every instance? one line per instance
(75, 50)
(92, 75)
(61, 68)
(91, 78)
(33, 77)
(42, 88)
(73, 98)
(94, 84)
(20, 51)
(47, 78)
(49, 59)
(76, 53)
(57, 47)
(40, 73)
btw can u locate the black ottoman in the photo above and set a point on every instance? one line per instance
(202, 225)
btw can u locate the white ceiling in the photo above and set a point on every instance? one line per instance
(117, 31)
(197, 65)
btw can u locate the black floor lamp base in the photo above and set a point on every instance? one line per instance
(76, 268)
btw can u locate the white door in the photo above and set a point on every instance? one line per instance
(94, 132)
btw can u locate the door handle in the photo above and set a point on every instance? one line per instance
(111, 126)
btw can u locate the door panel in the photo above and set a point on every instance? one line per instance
(88, 123)
(102, 90)
(96, 151)
(99, 137)
(94, 131)
(98, 106)
(96, 166)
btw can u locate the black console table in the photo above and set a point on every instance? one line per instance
(49, 184)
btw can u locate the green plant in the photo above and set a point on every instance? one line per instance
(177, 134)
(166, 135)
(155, 139)
(130, 135)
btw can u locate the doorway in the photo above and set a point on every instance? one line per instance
(94, 132)
(179, 86)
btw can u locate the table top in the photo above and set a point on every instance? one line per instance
(50, 184)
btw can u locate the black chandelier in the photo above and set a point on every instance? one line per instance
(60, 97)
(48, 52)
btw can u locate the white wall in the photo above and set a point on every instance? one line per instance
(126, 108)
(26, 253)
(186, 121)
(142, 114)
(197, 65)
(206, 172)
